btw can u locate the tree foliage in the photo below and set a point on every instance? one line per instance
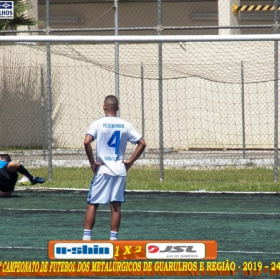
(20, 16)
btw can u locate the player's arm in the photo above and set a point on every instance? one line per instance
(88, 149)
(136, 154)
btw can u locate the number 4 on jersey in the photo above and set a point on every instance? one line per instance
(114, 141)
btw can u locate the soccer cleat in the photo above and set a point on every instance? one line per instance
(38, 180)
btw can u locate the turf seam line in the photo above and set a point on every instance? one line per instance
(141, 211)
(21, 248)
(142, 191)
(248, 252)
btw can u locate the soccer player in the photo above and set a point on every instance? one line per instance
(111, 134)
(9, 170)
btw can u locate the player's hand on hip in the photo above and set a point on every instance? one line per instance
(95, 165)
(127, 164)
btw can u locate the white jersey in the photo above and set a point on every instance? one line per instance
(111, 135)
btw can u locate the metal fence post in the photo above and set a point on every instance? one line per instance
(161, 173)
(243, 109)
(275, 93)
(116, 7)
(143, 104)
(49, 93)
(43, 112)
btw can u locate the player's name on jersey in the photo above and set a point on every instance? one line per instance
(113, 125)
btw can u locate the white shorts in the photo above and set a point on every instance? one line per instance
(105, 188)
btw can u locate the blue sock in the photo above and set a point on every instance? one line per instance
(87, 234)
(113, 235)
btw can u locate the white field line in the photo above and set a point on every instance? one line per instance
(143, 211)
(23, 188)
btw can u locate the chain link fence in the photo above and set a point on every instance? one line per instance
(199, 105)
(208, 17)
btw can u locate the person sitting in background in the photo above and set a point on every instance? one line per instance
(9, 170)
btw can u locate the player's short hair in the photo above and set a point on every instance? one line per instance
(111, 103)
(6, 157)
